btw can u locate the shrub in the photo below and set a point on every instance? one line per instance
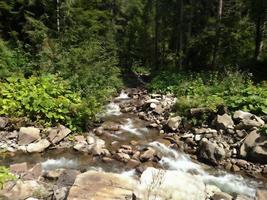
(46, 99)
(5, 175)
(10, 60)
(210, 89)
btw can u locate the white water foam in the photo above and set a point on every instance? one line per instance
(52, 164)
(129, 127)
(112, 109)
(230, 183)
(122, 96)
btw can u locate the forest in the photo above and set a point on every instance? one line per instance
(83, 52)
(143, 99)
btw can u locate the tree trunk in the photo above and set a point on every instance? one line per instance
(156, 51)
(58, 16)
(181, 42)
(258, 38)
(218, 35)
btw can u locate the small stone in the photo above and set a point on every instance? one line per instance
(147, 155)
(174, 122)
(198, 138)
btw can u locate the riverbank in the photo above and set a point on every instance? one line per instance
(138, 132)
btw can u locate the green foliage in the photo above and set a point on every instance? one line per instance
(10, 60)
(47, 99)
(5, 175)
(210, 89)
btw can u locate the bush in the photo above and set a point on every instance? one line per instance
(210, 89)
(46, 99)
(5, 176)
(92, 70)
(10, 60)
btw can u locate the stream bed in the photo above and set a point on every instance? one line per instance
(136, 132)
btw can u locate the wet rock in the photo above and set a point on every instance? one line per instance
(21, 190)
(165, 184)
(223, 122)
(67, 178)
(60, 193)
(131, 164)
(110, 126)
(58, 134)
(148, 155)
(211, 190)
(210, 152)
(19, 168)
(38, 147)
(28, 135)
(101, 185)
(261, 194)
(174, 122)
(221, 196)
(107, 160)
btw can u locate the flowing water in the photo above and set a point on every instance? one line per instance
(134, 129)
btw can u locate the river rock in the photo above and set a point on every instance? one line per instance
(165, 184)
(174, 122)
(254, 147)
(241, 115)
(211, 152)
(34, 173)
(21, 190)
(221, 196)
(67, 178)
(38, 147)
(123, 157)
(101, 185)
(19, 168)
(3, 122)
(58, 134)
(223, 122)
(110, 126)
(148, 155)
(28, 135)
(261, 194)
(60, 193)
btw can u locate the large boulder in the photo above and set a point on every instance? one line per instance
(21, 190)
(247, 120)
(58, 134)
(165, 184)
(211, 152)
(223, 122)
(28, 135)
(38, 147)
(254, 147)
(101, 186)
(174, 122)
